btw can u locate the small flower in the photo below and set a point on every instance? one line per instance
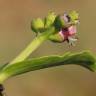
(67, 28)
(68, 34)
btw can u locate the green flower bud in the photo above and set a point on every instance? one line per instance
(49, 20)
(56, 38)
(74, 16)
(37, 25)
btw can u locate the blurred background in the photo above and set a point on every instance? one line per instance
(15, 35)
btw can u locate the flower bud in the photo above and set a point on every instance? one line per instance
(74, 17)
(49, 20)
(37, 25)
(57, 37)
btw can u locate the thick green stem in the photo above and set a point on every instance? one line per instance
(33, 46)
(28, 50)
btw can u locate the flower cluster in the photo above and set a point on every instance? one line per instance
(65, 26)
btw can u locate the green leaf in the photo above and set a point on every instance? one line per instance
(84, 59)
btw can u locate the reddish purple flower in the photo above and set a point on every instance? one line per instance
(68, 33)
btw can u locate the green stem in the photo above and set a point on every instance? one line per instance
(28, 50)
(33, 46)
